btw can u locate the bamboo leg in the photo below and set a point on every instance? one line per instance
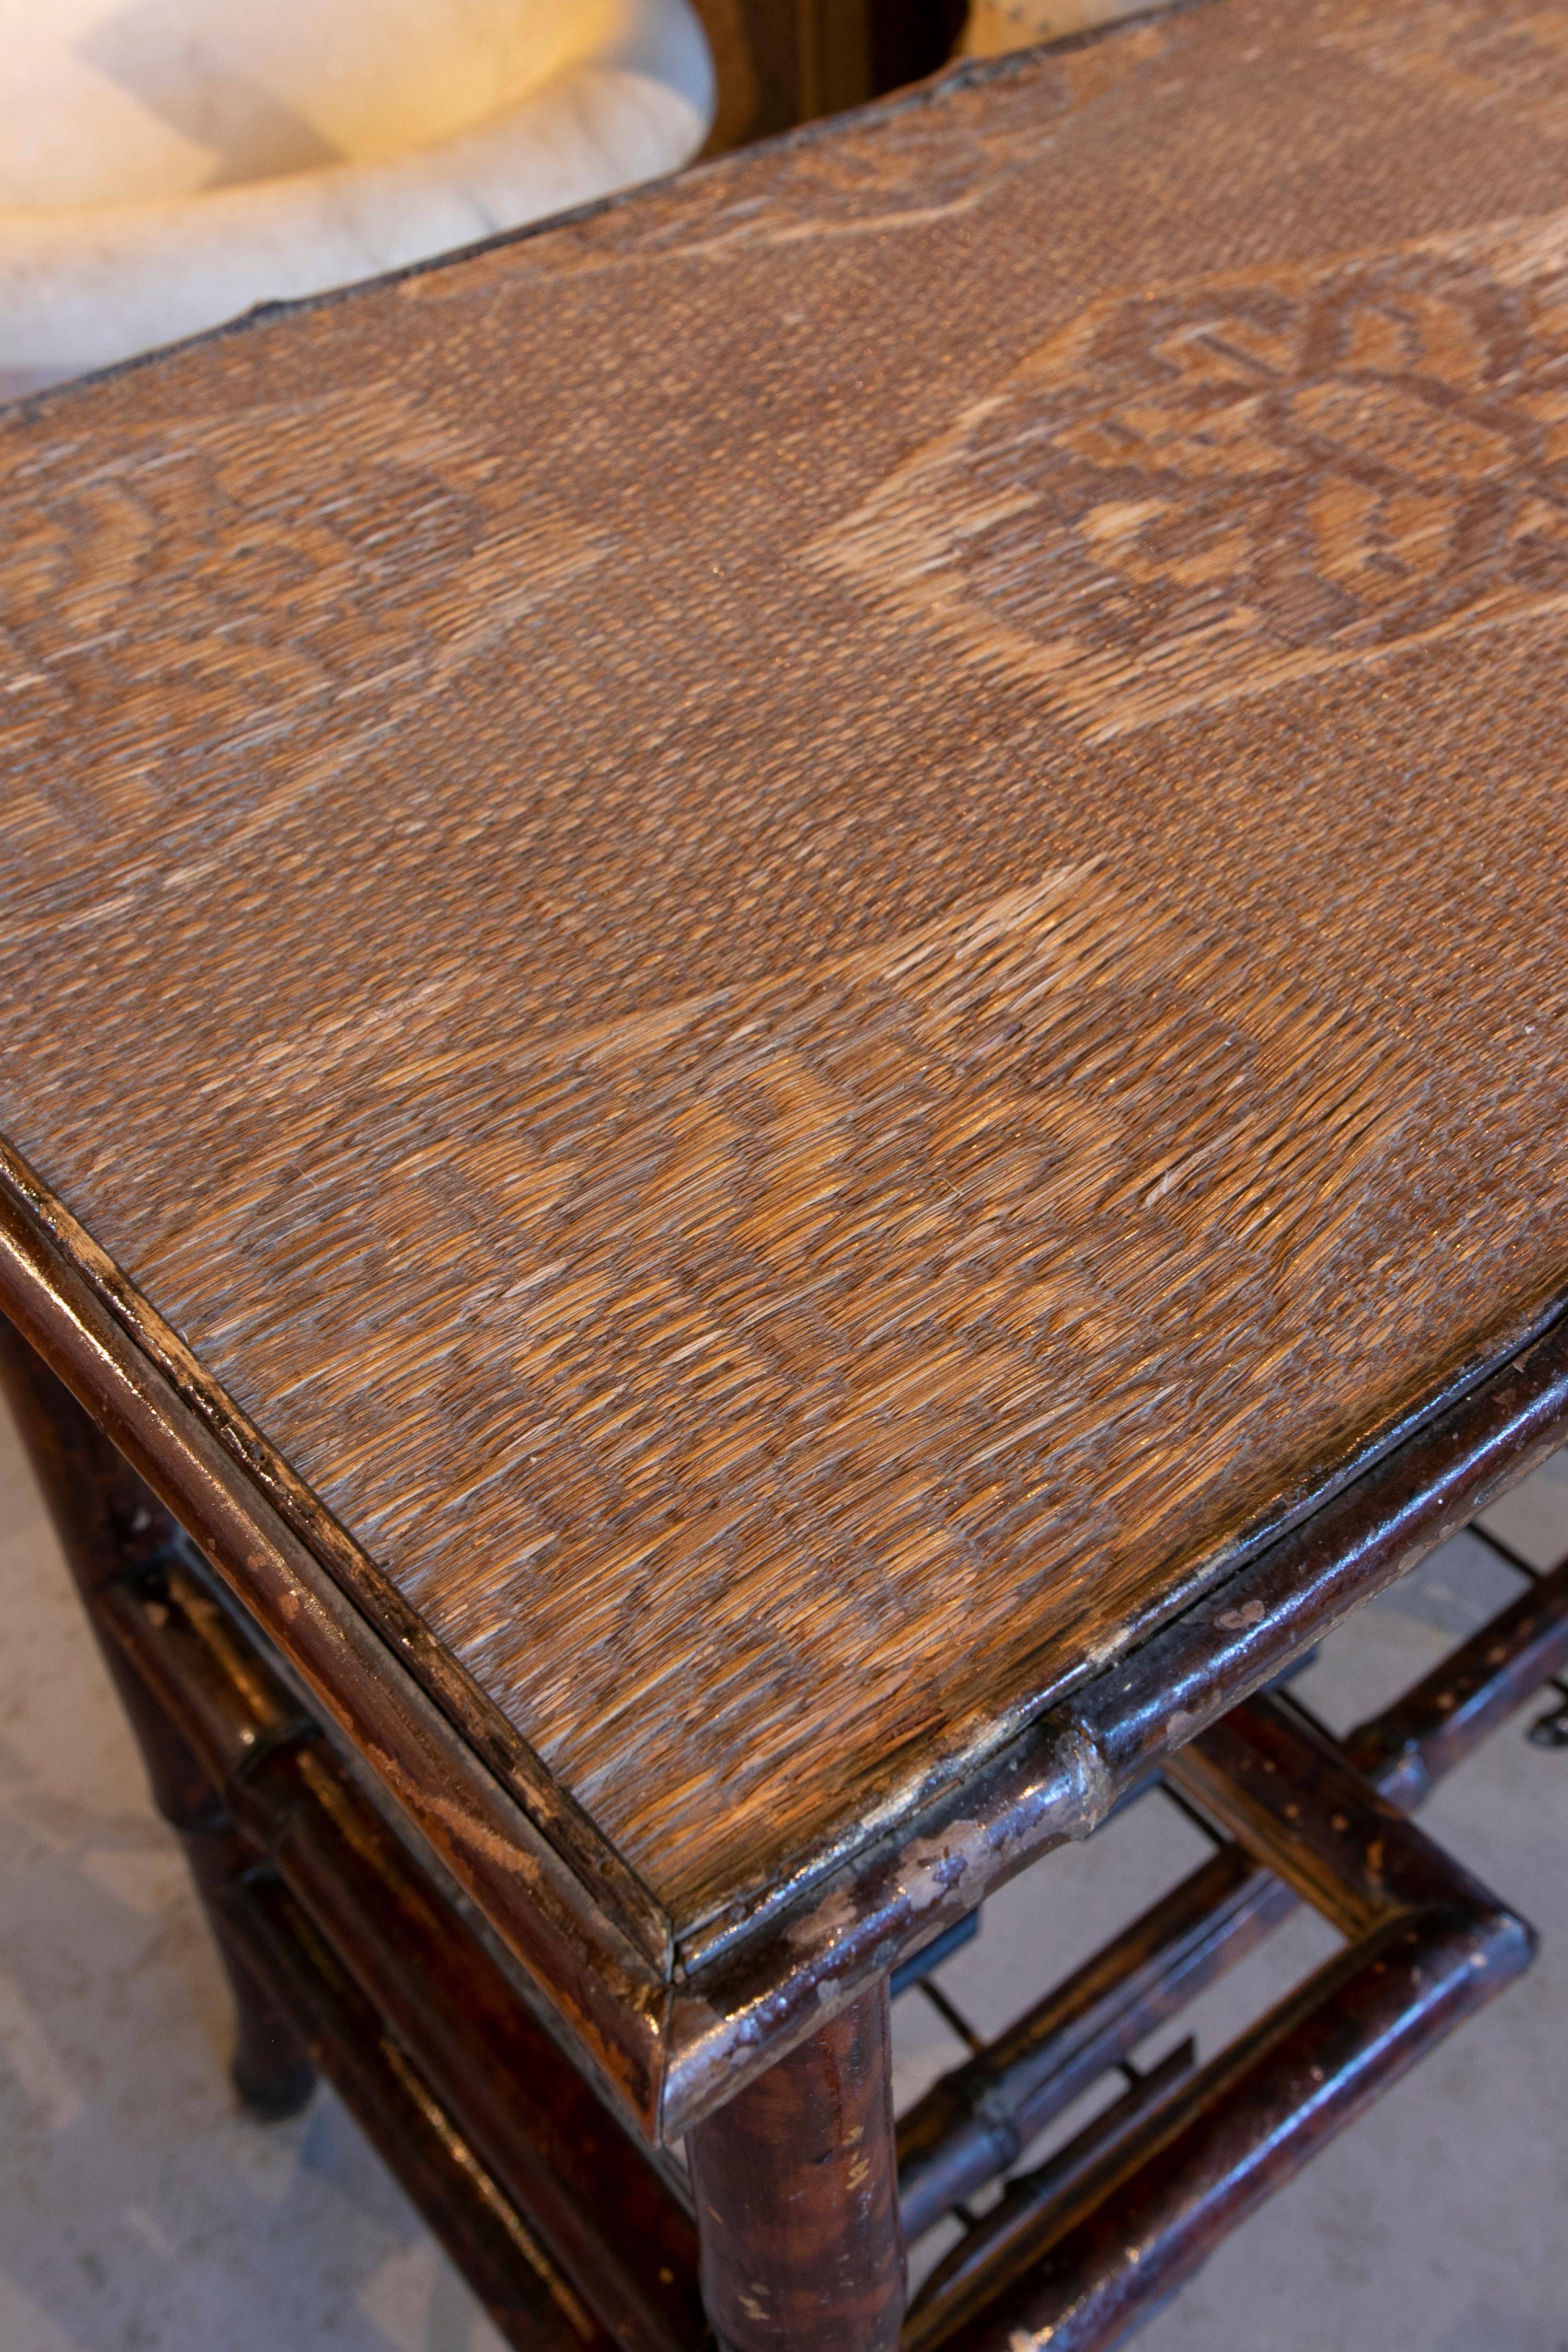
(796, 2187)
(109, 1527)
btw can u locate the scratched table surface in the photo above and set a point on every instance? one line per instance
(816, 929)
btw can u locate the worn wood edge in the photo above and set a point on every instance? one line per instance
(401, 1828)
(703, 1944)
(959, 75)
(1057, 1778)
(578, 1839)
(610, 1997)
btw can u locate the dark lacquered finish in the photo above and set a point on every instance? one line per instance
(1407, 1749)
(975, 2120)
(978, 2119)
(509, 2265)
(239, 1767)
(598, 2197)
(1015, 2216)
(796, 2197)
(1082, 2272)
(271, 2068)
(110, 1526)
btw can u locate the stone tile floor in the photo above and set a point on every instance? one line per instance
(141, 2212)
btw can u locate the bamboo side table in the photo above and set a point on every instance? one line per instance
(785, 1068)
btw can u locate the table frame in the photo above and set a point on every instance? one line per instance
(346, 1951)
(671, 2036)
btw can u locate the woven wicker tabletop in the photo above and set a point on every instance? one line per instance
(816, 929)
